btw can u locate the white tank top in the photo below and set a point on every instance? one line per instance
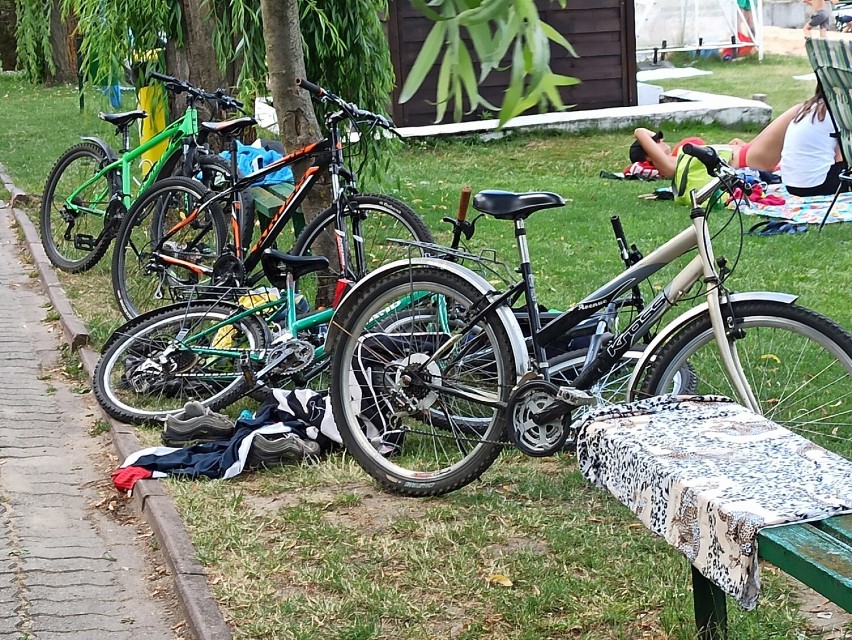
(808, 152)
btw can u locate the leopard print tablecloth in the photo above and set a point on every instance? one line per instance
(707, 474)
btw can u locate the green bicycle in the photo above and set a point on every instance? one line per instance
(91, 187)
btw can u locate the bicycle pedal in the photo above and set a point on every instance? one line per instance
(575, 397)
(84, 242)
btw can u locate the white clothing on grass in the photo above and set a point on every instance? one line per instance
(808, 152)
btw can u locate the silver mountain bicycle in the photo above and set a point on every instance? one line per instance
(426, 406)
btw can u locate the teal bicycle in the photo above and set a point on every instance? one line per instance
(221, 344)
(91, 186)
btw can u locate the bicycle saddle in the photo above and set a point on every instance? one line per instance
(276, 264)
(228, 127)
(505, 205)
(121, 120)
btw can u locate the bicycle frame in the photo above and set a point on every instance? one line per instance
(701, 267)
(176, 133)
(328, 154)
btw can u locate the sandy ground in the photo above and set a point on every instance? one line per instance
(791, 42)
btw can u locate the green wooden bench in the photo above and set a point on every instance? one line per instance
(268, 200)
(819, 554)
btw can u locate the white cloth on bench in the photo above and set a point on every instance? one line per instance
(707, 474)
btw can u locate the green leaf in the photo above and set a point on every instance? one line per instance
(516, 85)
(488, 10)
(558, 38)
(483, 46)
(464, 70)
(425, 59)
(427, 11)
(443, 94)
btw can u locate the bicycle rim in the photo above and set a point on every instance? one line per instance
(379, 219)
(387, 388)
(155, 369)
(143, 282)
(799, 366)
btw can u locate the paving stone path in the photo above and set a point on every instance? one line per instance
(68, 571)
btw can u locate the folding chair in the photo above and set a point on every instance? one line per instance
(832, 63)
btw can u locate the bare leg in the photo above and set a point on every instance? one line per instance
(764, 152)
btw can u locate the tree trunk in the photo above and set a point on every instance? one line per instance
(195, 62)
(8, 42)
(62, 45)
(297, 122)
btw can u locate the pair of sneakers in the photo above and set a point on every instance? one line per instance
(196, 423)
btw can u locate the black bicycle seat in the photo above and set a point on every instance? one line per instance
(228, 127)
(122, 119)
(276, 264)
(505, 205)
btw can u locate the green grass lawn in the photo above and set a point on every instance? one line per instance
(319, 552)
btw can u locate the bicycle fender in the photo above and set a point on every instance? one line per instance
(108, 150)
(505, 314)
(682, 320)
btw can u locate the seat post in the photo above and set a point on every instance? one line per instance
(525, 269)
(125, 138)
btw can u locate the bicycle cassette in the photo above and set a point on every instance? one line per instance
(290, 356)
(538, 419)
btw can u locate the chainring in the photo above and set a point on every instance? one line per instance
(527, 401)
(228, 271)
(290, 356)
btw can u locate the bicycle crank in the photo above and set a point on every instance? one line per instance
(288, 357)
(538, 418)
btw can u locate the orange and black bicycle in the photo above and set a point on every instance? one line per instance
(175, 240)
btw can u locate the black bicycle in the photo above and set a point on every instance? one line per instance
(176, 236)
(432, 374)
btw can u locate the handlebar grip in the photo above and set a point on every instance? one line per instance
(310, 87)
(618, 229)
(706, 155)
(162, 76)
(464, 203)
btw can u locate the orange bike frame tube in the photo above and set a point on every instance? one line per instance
(274, 221)
(183, 263)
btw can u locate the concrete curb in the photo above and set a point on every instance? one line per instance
(202, 613)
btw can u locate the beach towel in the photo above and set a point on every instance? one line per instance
(802, 210)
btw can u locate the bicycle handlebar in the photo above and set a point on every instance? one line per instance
(174, 85)
(350, 110)
(310, 87)
(717, 168)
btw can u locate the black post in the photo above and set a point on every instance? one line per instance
(711, 612)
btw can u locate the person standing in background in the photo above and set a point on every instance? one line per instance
(821, 18)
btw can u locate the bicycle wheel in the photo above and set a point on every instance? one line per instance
(157, 366)
(72, 237)
(370, 221)
(799, 365)
(143, 281)
(386, 387)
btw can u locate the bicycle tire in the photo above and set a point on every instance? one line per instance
(798, 362)
(424, 463)
(386, 217)
(129, 381)
(72, 169)
(142, 283)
